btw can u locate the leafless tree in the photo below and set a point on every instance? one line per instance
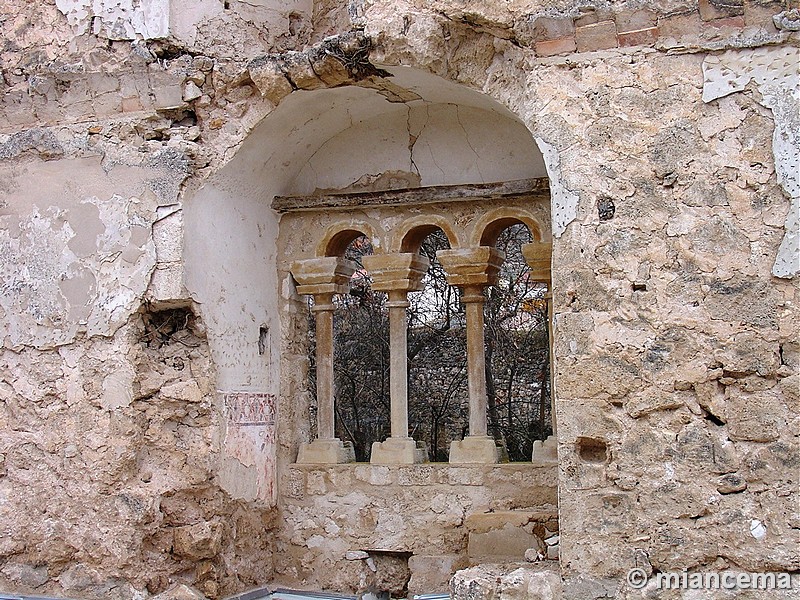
(517, 356)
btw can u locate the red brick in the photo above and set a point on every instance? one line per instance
(716, 9)
(642, 37)
(552, 47)
(596, 37)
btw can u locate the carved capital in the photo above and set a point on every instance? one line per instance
(325, 275)
(538, 256)
(479, 266)
(401, 271)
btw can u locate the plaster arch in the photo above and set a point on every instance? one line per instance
(412, 129)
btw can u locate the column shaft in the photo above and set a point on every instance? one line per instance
(398, 362)
(549, 297)
(323, 312)
(476, 374)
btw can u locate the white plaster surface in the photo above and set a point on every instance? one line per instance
(118, 19)
(75, 256)
(442, 144)
(564, 202)
(776, 73)
(184, 15)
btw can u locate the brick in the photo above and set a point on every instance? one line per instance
(635, 20)
(553, 47)
(718, 9)
(642, 37)
(733, 22)
(599, 36)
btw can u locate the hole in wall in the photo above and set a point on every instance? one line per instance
(605, 208)
(390, 573)
(263, 339)
(592, 450)
(163, 326)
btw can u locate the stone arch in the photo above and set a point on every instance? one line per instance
(413, 231)
(489, 227)
(339, 235)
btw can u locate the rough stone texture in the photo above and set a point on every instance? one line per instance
(139, 157)
(429, 512)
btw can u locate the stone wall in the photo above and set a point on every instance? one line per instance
(141, 170)
(431, 518)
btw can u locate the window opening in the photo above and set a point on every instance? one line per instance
(437, 357)
(517, 351)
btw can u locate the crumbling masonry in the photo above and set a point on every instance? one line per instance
(172, 170)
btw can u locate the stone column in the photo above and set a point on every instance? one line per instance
(397, 274)
(322, 278)
(538, 255)
(473, 269)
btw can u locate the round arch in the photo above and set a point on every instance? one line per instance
(414, 230)
(490, 226)
(339, 235)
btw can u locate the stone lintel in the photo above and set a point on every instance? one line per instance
(326, 452)
(401, 271)
(323, 275)
(479, 266)
(538, 256)
(416, 196)
(398, 451)
(474, 449)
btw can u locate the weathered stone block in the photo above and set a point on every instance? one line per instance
(198, 541)
(432, 573)
(465, 476)
(419, 475)
(758, 417)
(635, 20)
(316, 482)
(270, 79)
(552, 28)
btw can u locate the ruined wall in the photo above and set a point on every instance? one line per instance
(669, 134)
(431, 519)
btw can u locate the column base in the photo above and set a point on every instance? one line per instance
(476, 449)
(398, 451)
(545, 451)
(326, 452)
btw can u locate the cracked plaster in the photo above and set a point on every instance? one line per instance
(76, 257)
(564, 202)
(774, 71)
(122, 20)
